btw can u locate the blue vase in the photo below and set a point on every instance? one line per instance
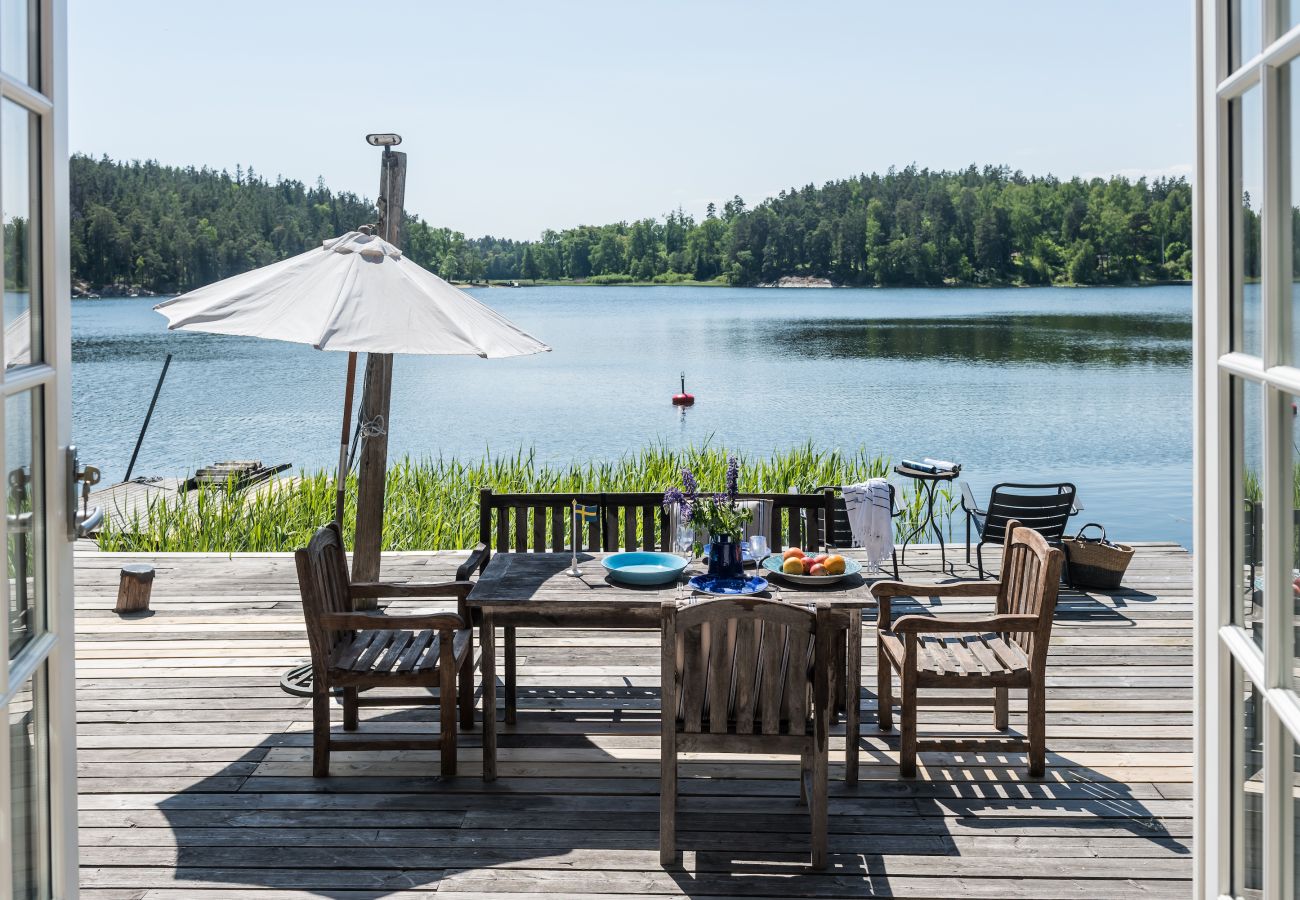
(725, 558)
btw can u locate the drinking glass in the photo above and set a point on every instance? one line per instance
(758, 550)
(685, 539)
(685, 542)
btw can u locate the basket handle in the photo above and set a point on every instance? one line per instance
(1100, 527)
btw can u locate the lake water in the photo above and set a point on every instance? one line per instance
(1087, 385)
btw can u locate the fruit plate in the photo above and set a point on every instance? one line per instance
(642, 567)
(728, 587)
(773, 565)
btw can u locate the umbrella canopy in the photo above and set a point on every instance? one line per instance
(356, 293)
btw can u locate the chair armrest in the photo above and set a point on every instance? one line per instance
(1077, 507)
(478, 559)
(883, 591)
(458, 589)
(954, 625)
(373, 621)
(968, 500)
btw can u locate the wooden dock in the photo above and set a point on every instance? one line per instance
(128, 502)
(195, 778)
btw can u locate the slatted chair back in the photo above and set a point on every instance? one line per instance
(1046, 508)
(323, 582)
(1029, 582)
(746, 666)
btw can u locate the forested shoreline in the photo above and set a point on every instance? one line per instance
(165, 229)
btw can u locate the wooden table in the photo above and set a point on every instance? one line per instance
(532, 590)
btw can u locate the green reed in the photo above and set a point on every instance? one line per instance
(432, 503)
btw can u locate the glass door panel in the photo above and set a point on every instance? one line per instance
(29, 789)
(19, 202)
(24, 490)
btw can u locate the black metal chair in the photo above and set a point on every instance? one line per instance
(841, 532)
(1046, 508)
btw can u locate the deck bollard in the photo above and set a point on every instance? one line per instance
(134, 588)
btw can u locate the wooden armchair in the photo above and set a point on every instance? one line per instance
(356, 650)
(746, 676)
(1005, 650)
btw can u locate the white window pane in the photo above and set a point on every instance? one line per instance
(18, 45)
(20, 208)
(24, 489)
(1247, 404)
(1248, 793)
(29, 788)
(1248, 187)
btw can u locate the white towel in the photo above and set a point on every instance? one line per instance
(871, 518)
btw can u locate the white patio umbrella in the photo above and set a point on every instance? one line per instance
(356, 293)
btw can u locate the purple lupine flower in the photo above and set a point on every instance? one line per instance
(689, 485)
(733, 477)
(673, 498)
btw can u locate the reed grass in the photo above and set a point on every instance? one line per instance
(432, 503)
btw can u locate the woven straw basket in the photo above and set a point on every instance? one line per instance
(1095, 561)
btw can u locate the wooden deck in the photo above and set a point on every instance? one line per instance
(196, 785)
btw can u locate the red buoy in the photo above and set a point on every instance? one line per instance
(683, 399)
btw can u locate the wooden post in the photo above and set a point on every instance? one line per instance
(375, 402)
(134, 588)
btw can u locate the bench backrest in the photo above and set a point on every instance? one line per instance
(630, 520)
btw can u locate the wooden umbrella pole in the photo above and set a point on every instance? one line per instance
(344, 439)
(372, 468)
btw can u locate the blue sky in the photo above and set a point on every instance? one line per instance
(522, 116)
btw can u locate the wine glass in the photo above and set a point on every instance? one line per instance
(758, 550)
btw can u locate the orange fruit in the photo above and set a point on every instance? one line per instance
(793, 566)
(792, 553)
(834, 564)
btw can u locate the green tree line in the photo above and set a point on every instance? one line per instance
(171, 229)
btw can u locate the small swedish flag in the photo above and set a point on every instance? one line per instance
(585, 513)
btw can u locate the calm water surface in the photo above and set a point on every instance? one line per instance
(1088, 385)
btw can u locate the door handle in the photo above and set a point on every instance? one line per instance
(81, 523)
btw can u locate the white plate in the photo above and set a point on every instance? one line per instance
(773, 564)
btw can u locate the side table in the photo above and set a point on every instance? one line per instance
(928, 482)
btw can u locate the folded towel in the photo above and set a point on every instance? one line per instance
(871, 519)
(915, 466)
(942, 465)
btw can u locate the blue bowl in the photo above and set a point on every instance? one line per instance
(644, 567)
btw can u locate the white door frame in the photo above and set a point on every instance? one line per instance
(53, 650)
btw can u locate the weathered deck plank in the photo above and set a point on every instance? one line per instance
(195, 768)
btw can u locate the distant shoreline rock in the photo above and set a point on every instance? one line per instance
(799, 281)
